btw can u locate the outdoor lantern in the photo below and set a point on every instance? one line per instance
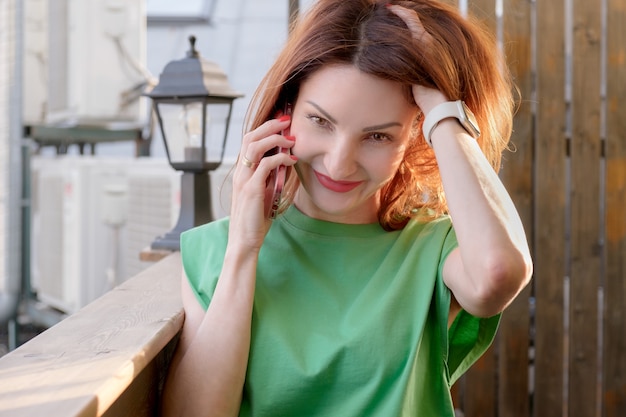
(193, 103)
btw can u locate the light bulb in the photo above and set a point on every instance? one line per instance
(192, 119)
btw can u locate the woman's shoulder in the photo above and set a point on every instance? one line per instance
(202, 249)
(427, 222)
(205, 239)
(206, 232)
(434, 237)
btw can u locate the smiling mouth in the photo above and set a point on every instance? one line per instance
(336, 186)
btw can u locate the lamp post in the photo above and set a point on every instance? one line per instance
(193, 103)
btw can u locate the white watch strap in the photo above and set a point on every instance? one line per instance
(440, 112)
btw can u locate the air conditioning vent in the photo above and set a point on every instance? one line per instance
(78, 251)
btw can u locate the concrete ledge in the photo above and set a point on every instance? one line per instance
(108, 359)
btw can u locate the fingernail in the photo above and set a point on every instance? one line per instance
(291, 138)
(284, 118)
(295, 158)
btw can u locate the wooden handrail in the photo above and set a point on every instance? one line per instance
(108, 359)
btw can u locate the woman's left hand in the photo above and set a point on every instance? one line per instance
(426, 98)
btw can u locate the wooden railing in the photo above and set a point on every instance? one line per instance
(108, 359)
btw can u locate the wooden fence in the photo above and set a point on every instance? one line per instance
(561, 348)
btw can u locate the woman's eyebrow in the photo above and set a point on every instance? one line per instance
(366, 129)
(324, 113)
(381, 127)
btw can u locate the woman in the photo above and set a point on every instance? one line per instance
(360, 298)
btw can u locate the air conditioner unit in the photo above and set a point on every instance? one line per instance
(70, 242)
(153, 208)
(93, 216)
(84, 59)
(82, 242)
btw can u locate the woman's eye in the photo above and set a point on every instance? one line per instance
(379, 137)
(319, 121)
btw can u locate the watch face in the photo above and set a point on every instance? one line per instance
(470, 123)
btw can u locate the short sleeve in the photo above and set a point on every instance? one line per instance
(469, 336)
(202, 250)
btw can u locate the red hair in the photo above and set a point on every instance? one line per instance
(463, 62)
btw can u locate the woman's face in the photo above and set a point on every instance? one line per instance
(351, 130)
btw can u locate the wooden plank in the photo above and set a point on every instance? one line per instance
(516, 173)
(451, 2)
(614, 369)
(549, 218)
(457, 392)
(585, 209)
(83, 365)
(143, 396)
(485, 11)
(153, 255)
(479, 387)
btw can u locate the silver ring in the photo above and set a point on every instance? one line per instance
(246, 162)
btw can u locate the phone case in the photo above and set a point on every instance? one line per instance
(280, 174)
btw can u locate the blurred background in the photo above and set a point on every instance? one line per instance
(86, 186)
(85, 183)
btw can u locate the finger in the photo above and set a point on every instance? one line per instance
(248, 163)
(413, 22)
(269, 163)
(265, 137)
(271, 127)
(255, 151)
(257, 172)
(255, 190)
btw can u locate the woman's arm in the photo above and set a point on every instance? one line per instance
(492, 263)
(208, 370)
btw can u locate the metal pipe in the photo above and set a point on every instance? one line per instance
(9, 299)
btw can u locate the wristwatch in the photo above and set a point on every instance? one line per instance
(457, 109)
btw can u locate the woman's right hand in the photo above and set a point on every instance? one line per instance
(211, 358)
(251, 194)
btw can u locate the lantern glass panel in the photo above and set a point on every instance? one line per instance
(183, 128)
(217, 129)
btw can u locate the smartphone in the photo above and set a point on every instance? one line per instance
(279, 175)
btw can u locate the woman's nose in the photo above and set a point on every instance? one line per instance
(341, 159)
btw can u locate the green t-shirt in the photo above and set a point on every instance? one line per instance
(348, 320)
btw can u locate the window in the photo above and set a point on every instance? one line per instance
(183, 11)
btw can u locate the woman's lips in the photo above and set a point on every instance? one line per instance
(336, 186)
